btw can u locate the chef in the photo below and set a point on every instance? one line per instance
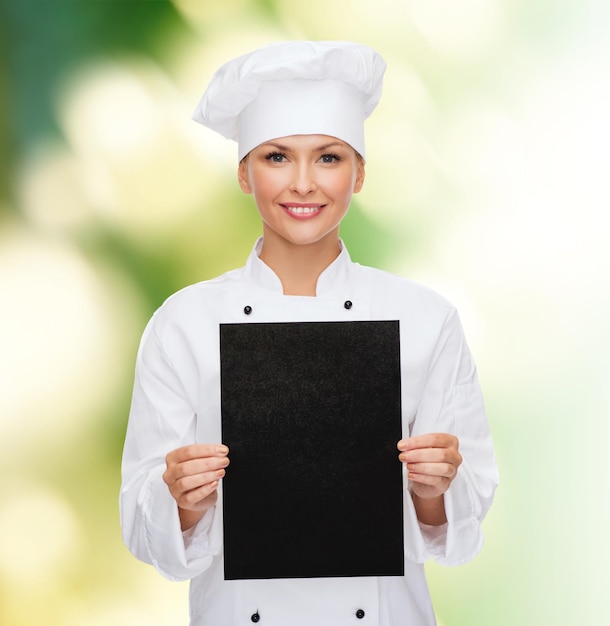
(297, 112)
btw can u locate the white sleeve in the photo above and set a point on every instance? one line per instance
(161, 419)
(452, 402)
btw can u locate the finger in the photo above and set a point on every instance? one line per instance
(194, 499)
(197, 451)
(440, 483)
(431, 455)
(430, 479)
(429, 440)
(195, 469)
(427, 486)
(432, 470)
(188, 483)
(180, 486)
(196, 466)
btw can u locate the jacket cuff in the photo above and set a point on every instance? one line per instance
(464, 537)
(165, 543)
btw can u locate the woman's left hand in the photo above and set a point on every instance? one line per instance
(432, 462)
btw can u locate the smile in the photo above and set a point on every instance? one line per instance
(303, 210)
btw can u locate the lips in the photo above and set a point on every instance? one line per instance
(302, 211)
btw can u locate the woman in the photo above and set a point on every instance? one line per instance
(297, 111)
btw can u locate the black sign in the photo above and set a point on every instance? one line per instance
(311, 413)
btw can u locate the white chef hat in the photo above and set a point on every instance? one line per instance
(294, 88)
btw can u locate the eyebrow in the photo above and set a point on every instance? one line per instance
(284, 148)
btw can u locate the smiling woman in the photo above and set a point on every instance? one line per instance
(297, 111)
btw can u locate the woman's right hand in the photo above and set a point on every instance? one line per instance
(192, 476)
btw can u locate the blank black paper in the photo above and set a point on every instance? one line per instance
(311, 413)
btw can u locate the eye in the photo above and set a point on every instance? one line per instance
(276, 157)
(330, 158)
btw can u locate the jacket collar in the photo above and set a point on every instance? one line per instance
(332, 278)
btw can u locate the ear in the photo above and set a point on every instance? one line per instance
(242, 176)
(360, 174)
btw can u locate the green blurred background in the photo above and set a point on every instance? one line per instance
(487, 179)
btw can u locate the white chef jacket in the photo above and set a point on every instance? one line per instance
(176, 402)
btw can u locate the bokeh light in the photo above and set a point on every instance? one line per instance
(59, 336)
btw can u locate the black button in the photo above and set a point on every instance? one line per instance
(348, 304)
(360, 613)
(256, 618)
(247, 311)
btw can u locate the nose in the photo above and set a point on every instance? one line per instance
(303, 181)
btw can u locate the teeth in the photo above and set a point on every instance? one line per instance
(303, 209)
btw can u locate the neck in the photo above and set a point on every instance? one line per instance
(299, 266)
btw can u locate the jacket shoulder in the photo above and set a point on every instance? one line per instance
(394, 288)
(189, 300)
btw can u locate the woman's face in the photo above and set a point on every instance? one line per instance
(302, 186)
